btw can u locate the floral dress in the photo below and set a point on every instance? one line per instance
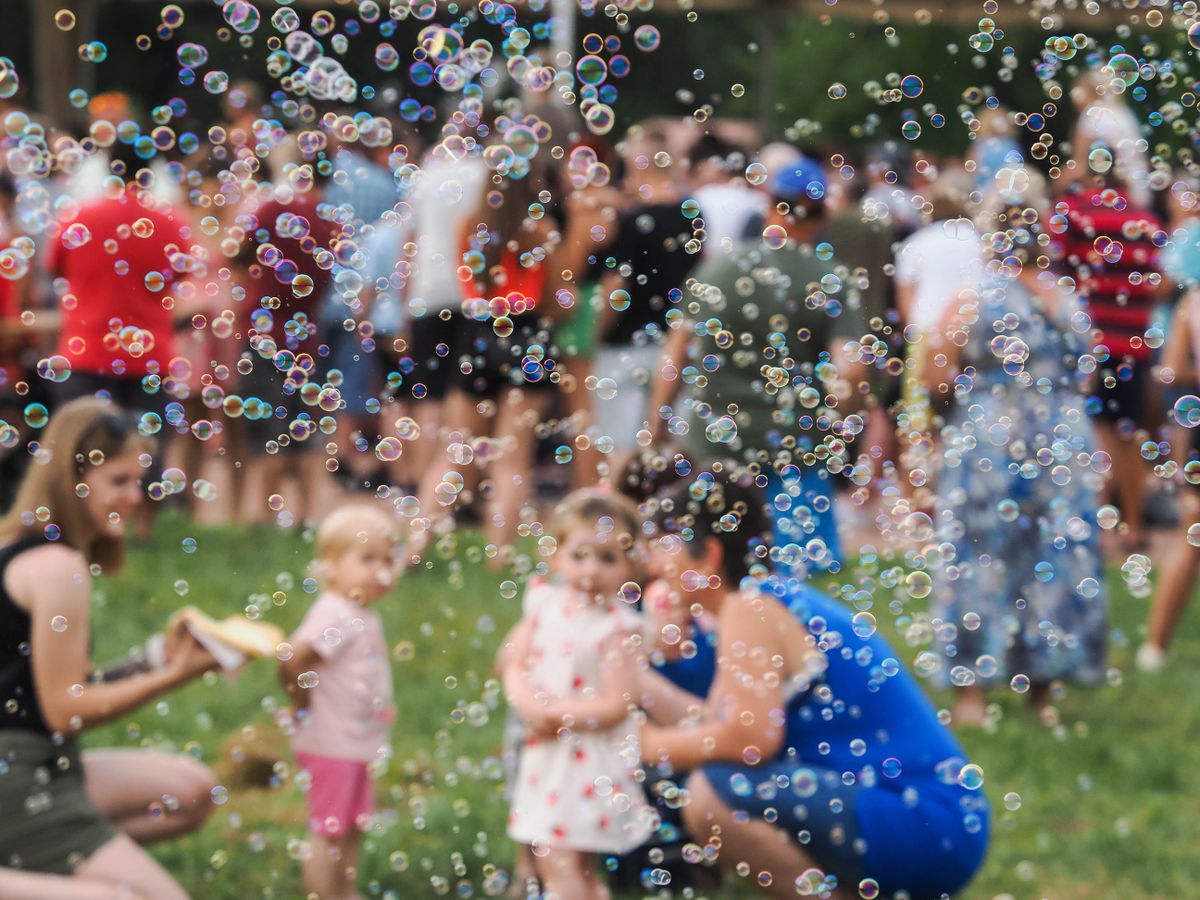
(578, 791)
(1023, 596)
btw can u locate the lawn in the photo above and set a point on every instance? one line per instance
(1103, 805)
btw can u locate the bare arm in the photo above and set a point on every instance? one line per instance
(1177, 354)
(303, 659)
(745, 695)
(945, 346)
(665, 702)
(665, 388)
(54, 585)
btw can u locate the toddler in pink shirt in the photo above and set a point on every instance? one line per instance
(338, 674)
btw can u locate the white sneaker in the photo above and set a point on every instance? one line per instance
(1150, 658)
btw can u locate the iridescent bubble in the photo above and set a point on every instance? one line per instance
(911, 86)
(971, 777)
(285, 20)
(774, 237)
(389, 449)
(721, 431)
(863, 624)
(1100, 160)
(756, 173)
(36, 415)
(600, 118)
(216, 82)
(646, 38)
(1187, 410)
(56, 369)
(242, 15)
(918, 584)
(591, 70)
(192, 55)
(1124, 68)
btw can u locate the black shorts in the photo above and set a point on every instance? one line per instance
(485, 364)
(432, 352)
(1126, 399)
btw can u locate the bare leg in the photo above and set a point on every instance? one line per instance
(1129, 480)
(520, 411)
(564, 877)
(119, 870)
(577, 410)
(428, 414)
(318, 491)
(331, 868)
(770, 852)
(461, 415)
(149, 796)
(253, 506)
(524, 868)
(1178, 578)
(970, 706)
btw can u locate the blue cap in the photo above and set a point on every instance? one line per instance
(801, 180)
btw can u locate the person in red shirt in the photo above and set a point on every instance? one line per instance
(283, 283)
(119, 259)
(1110, 247)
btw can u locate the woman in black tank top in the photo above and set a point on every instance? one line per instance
(70, 822)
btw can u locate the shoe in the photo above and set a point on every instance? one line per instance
(1150, 658)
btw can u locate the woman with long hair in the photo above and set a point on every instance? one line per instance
(72, 820)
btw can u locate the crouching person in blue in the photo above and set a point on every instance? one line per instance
(814, 762)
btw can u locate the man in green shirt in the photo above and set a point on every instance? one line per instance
(765, 367)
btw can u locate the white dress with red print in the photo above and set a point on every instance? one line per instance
(578, 791)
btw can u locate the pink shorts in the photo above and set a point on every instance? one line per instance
(340, 795)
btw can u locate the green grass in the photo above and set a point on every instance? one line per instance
(1109, 799)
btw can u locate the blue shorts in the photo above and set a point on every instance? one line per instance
(918, 844)
(810, 802)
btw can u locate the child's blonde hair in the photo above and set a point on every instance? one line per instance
(352, 524)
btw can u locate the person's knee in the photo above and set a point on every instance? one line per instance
(698, 811)
(197, 783)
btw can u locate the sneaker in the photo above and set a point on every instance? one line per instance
(1150, 658)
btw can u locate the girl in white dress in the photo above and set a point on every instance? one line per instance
(568, 673)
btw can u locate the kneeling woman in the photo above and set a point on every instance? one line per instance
(815, 760)
(72, 822)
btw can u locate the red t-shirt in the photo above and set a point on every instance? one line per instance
(117, 324)
(294, 233)
(1110, 251)
(522, 286)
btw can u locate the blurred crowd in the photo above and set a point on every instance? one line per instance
(996, 350)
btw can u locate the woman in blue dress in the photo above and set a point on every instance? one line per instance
(814, 760)
(1022, 601)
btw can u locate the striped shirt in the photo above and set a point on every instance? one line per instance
(1111, 248)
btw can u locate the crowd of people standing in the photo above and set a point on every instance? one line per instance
(748, 340)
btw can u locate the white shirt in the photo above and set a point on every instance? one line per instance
(939, 260)
(727, 210)
(448, 193)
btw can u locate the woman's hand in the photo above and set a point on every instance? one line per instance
(190, 659)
